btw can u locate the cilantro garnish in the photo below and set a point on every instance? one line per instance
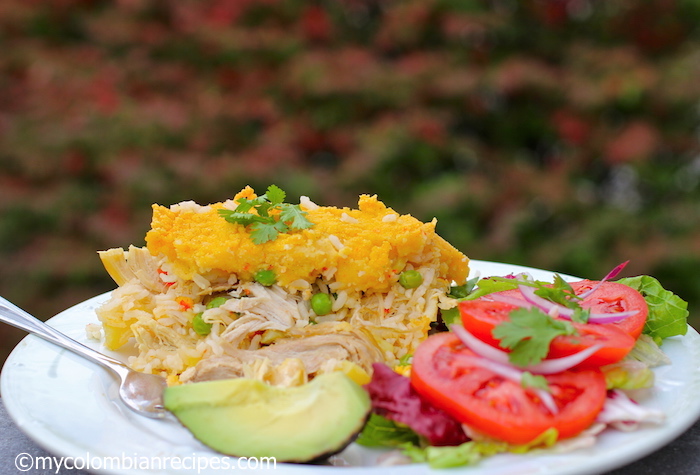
(581, 315)
(271, 215)
(560, 291)
(528, 334)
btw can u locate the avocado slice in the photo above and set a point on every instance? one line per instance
(249, 418)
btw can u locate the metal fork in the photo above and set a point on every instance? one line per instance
(142, 393)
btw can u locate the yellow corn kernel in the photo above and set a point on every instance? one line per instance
(355, 372)
(403, 370)
(117, 336)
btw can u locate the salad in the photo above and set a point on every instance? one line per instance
(523, 365)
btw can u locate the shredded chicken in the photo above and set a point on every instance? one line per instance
(305, 353)
(263, 308)
(136, 263)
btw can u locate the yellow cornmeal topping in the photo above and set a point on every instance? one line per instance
(376, 244)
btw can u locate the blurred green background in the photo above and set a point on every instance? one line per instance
(561, 134)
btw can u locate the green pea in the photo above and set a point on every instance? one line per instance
(321, 304)
(199, 326)
(266, 277)
(216, 302)
(410, 279)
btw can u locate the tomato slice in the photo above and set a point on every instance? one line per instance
(480, 317)
(501, 408)
(616, 344)
(615, 297)
(609, 297)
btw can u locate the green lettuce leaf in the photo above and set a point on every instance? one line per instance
(668, 313)
(490, 285)
(628, 374)
(469, 453)
(648, 352)
(382, 432)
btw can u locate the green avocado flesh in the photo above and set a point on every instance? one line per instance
(249, 418)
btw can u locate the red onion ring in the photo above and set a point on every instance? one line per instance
(479, 347)
(549, 366)
(567, 313)
(557, 365)
(513, 374)
(611, 275)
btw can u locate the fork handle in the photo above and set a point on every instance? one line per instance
(15, 316)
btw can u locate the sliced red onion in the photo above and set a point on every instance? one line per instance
(544, 304)
(513, 374)
(567, 313)
(557, 365)
(549, 366)
(625, 414)
(611, 275)
(610, 317)
(479, 347)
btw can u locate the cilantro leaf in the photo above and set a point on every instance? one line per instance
(294, 214)
(263, 209)
(275, 194)
(263, 232)
(581, 315)
(238, 217)
(528, 333)
(267, 215)
(559, 292)
(244, 206)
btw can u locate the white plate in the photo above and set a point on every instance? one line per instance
(70, 408)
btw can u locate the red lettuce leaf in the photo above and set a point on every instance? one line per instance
(394, 398)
